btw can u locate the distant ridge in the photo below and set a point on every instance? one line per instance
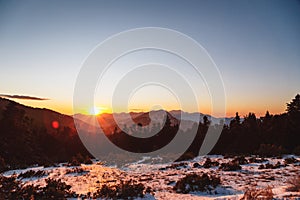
(144, 118)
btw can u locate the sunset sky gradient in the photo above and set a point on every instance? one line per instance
(255, 44)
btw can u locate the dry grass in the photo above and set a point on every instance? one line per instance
(258, 194)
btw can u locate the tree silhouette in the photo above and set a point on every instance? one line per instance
(293, 120)
(294, 106)
(24, 141)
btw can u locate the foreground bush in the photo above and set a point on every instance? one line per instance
(208, 163)
(79, 159)
(290, 160)
(270, 166)
(11, 188)
(124, 190)
(230, 166)
(257, 160)
(258, 194)
(76, 170)
(56, 189)
(294, 184)
(195, 182)
(241, 160)
(32, 173)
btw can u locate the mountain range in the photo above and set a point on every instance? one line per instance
(42, 136)
(187, 120)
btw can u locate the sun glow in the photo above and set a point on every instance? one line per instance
(96, 110)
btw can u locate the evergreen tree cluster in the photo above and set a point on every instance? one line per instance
(270, 135)
(24, 142)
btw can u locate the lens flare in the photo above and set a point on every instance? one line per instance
(55, 124)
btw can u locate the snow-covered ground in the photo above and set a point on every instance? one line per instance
(162, 177)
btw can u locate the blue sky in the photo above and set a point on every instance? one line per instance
(255, 44)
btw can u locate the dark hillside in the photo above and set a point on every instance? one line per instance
(36, 136)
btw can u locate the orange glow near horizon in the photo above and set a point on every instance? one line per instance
(232, 108)
(97, 110)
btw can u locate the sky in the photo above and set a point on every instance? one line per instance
(254, 44)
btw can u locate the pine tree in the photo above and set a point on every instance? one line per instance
(294, 106)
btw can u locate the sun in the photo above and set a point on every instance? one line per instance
(96, 110)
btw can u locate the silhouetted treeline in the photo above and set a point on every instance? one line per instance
(145, 145)
(26, 136)
(270, 135)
